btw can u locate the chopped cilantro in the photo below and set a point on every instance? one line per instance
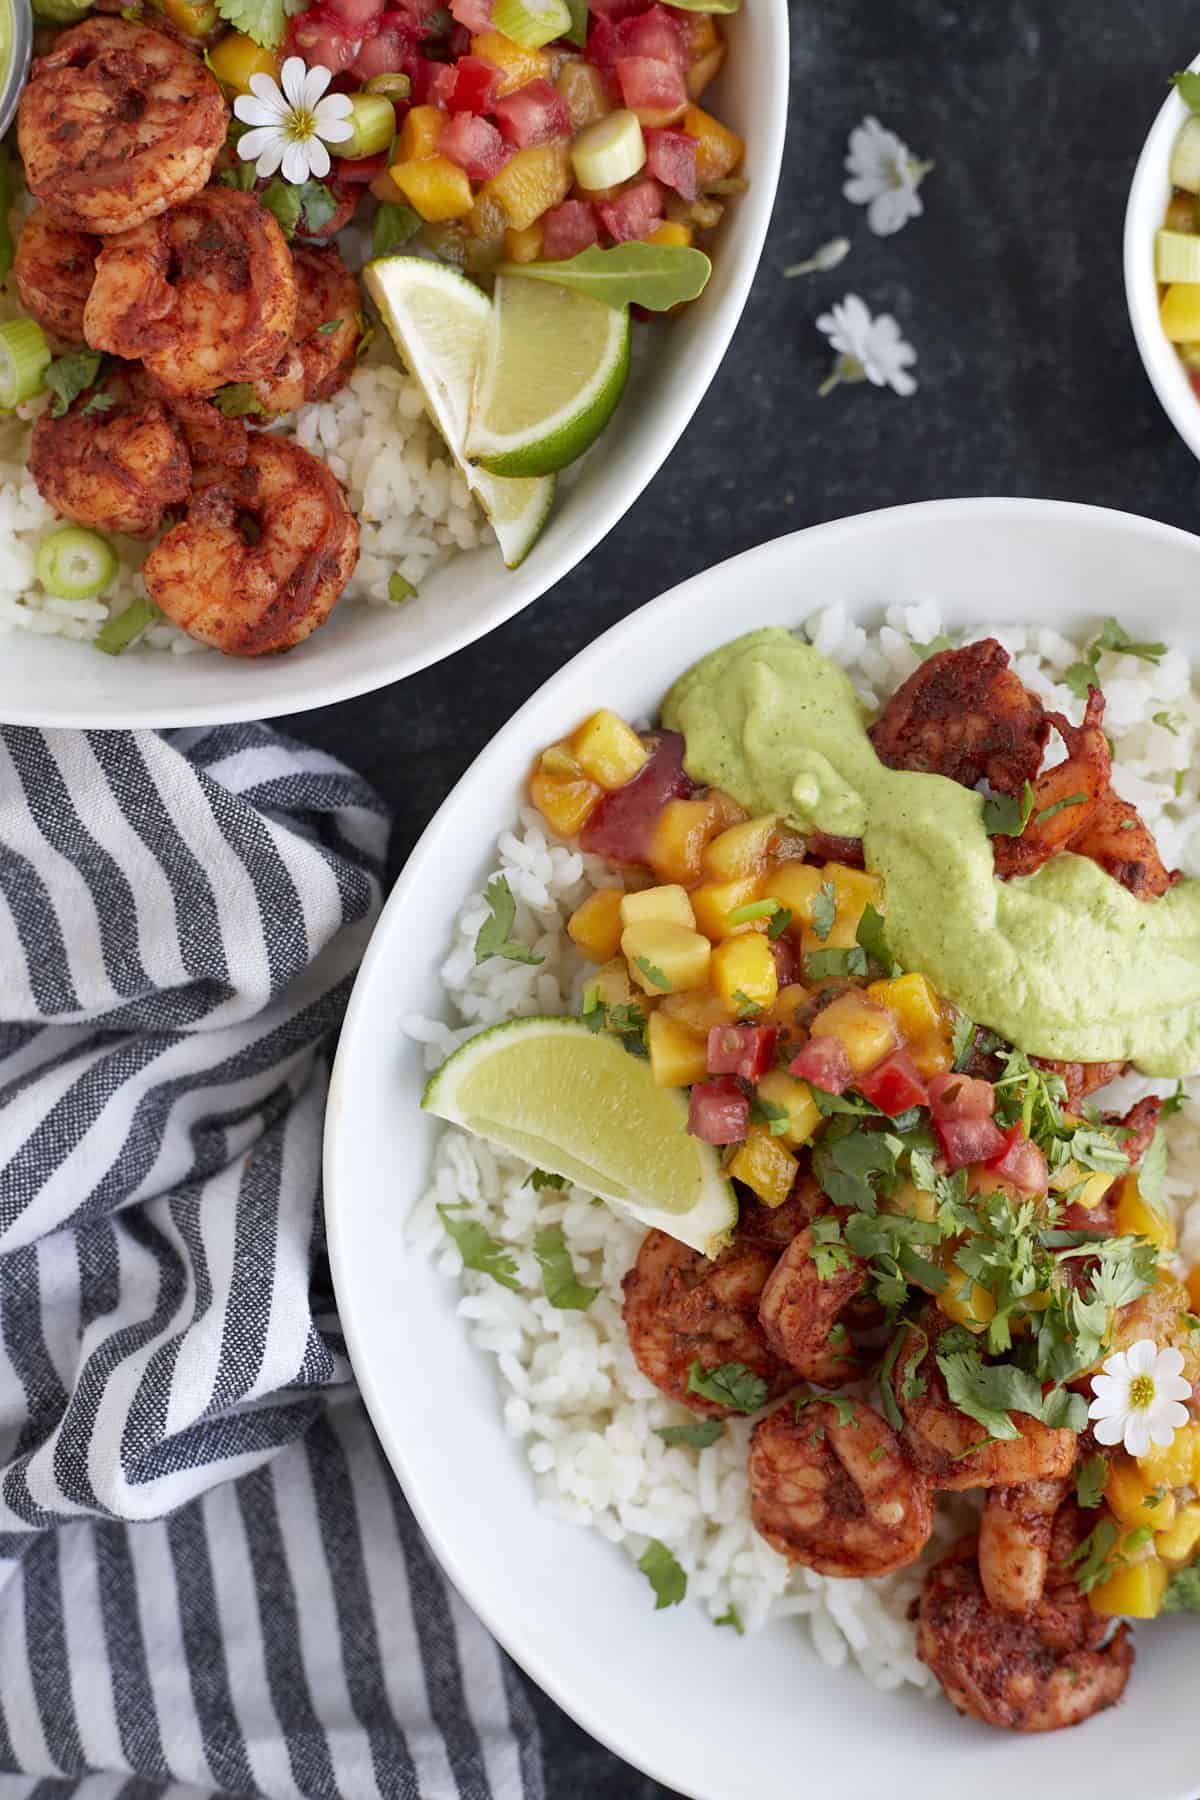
(100, 403)
(262, 20)
(1152, 1172)
(663, 1573)
(329, 325)
(317, 207)
(1172, 1102)
(1168, 724)
(698, 1435)
(940, 642)
(394, 225)
(1005, 816)
(1093, 1560)
(1183, 1593)
(563, 1290)
(846, 1410)
(780, 921)
(537, 1179)
(399, 589)
(237, 400)
(830, 1252)
(730, 1384)
(493, 937)
(746, 1007)
(1091, 1478)
(653, 974)
(282, 201)
(819, 963)
(730, 1616)
(869, 935)
(68, 376)
(824, 910)
(963, 1041)
(987, 1391)
(1048, 812)
(1114, 637)
(765, 1112)
(479, 1249)
(754, 909)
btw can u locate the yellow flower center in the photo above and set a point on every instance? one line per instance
(1141, 1392)
(302, 124)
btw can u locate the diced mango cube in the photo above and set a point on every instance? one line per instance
(854, 889)
(865, 1029)
(530, 183)
(795, 885)
(782, 1090)
(677, 1056)
(910, 1202)
(1133, 1500)
(235, 58)
(1137, 1218)
(595, 927)
(719, 150)
(743, 971)
(1179, 311)
(611, 983)
(664, 957)
(517, 64)
(742, 850)
(1092, 1188)
(700, 34)
(435, 187)
(791, 1006)
(1133, 1592)
(419, 134)
(682, 829)
(524, 246)
(668, 905)
(913, 1002)
(564, 800)
(699, 1009)
(609, 750)
(702, 71)
(965, 1301)
(1179, 1543)
(714, 901)
(1177, 1464)
(1192, 1284)
(583, 88)
(765, 1165)
(671, 231)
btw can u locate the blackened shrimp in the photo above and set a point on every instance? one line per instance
(116, 470)
(1040, 1671)
(1065, 798)
(54, 267)
(800, 1308)
(682, 1308)
(117, 123)
(263, 554)
(320, 357)
(1014, 1543)
(205, 296)
(831, 1487)
(965, 715)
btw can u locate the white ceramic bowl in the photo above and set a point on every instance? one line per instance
(51, 681)
(716, 1717)
(1148, 197)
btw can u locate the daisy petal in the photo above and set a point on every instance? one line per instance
(315, 83)
(296, 161)
(318, 158)
(1137, 1436)
(292, 78)
(270, 157)
(1170, 1361)
(1108, 1431)
(267, 90)
(1142, 1356)
(251, 144)
(252, 111)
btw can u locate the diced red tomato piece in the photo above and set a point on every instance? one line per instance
(567, 229)
(823, 1063)
(1021, 1162)
(363, 169)
(655, 33)
(320, 36)
(966, 1141)
(648, 84)
(634, 212)
(434, 82)
(475, 15)
(615, 10)
(622, 822)
(476, 81)
(788, 966)
(744, 1050)
(718, 1111)
(474, 144)
(961, 1097)
(535, 114)
(893, 1085)
(391, 49)
(671, 159)
(355, 15)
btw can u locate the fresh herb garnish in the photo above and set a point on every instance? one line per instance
(780, 921)
(537, 1179)
(100, 403)
(282, 201)
(479, 1249)
(731, 1384)
(697, 1436)
(765, 1112)
(1187, 83)
(317, 207)
(830, 1251)
(1172, 1103)
(68, 376)
(820, 963)
(663, 1573)
(824, 910)
(399, 590)
(987, 1392)
(563, 1290)
(1048, 812)
(1112, 636)
(653, 974)
(746, 1007)
(656, 276)
(731, 1615)
(869, 934)
(493, 938)
(935, 644)
(1183, 1592)
(262, 20)
(1005, 816)
(394, 226)
(754, 909)
(237, 400)
(847, 1410)
(329, 325)
(1091, 1478)
(1165, 720)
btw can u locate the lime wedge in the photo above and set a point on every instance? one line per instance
(554, 366)
(573, 1102)
(440, 322)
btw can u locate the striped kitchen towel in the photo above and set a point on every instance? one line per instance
(209, 1581)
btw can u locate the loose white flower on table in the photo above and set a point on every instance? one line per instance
(825, 257)
(868, 349)
(290, 118)
(1138, 1398)
(884, 177)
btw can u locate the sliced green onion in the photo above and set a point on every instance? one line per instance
(399, 590)
(120, 632)
(1185, 158)
(372, 127)
(754, 909)
(531, 23)
(74, 564)
(610, 151)
(24, 359)
(1176, 256)
(396, 86)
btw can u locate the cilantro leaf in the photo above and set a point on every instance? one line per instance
(317, 207)
(849, 1166)
(765, 1112)
(847, 1410)
(824, 910)
(986, 1392)
(100, 403)
(237, 400)
(1092, 1559)
(1004, 816)
(830, 1252)
(1173, 1102)
(940, 642)
(1183, 1594)
(653, 974)
(479, 1249)
(394, 225)
(68, 376)
(1091, 1478)
(1152, 1172)
(780, 920)
(819, 963)
(697, 1436)
(746, 1007)
(731, 1615)
(563, 1290)
(1080, 677)
(537, 1179)
(731, 1384)
(1168, 724)
(493, 937)
(262, 20)
(1187, 82)
(869, 935)
(1113, 636)
(282, 200)
(663, 1573)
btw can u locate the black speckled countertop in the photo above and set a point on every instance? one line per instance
(1010, 289)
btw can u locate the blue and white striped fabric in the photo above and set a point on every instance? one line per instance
(209, 1581)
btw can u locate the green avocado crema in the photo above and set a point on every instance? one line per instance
(1064, 963)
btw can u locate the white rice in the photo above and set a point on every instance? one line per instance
(570, 1389)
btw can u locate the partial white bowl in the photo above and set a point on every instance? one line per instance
(51, 681)
(1148, 197)
(716, 1717)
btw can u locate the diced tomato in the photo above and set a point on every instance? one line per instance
(355, 15)
(363, 169)
(671, 159)
(744, 1050)
(824, 847)
(476, 81)
(961, 1097)
(605, 43)
(434, 82)
(788, 966)
(391, 49)
(615, 10)
(1021, 1162)
(535, 114)
(320, 36)
(476, 15)
(474, 144)
(567, 229)
(648, 84)
(966, 1141)
(655, 33)
(634, 212)
(622, 823)
(893, 1085)
(823, 1063)
(718, 1111)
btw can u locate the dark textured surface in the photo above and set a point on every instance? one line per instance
(1010, 289)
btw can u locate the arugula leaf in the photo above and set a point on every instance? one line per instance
(317, 207)
(1004, 816)
(237, 400)
(1187, 83)
(262, 20)
(116, 634)
(824, 910)
(663, 1573)
(394, 225)
(282, 201)
(493, 938)
(731, 1615)
(730, 1384)
(697, 1436)
(1048, 812)
(835, 962)
(987, 1391)
(479, 1249)
(780, 921)
(656, 276)
(869, 935)
(653, 974)
(1091, 1477)
(68, 376)
(563, 1290)
(1183, 1593)
(399, 590)
(537, 1179)
(576, 32)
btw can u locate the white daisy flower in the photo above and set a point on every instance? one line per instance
(290, 119)
(868, 349)
(884, 177)
(1138, 1398)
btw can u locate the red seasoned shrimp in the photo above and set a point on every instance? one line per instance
(54, 267)
(116, 470)
(831, 1487)
(799, 1313)
(1065, 798)
(320, 358)
(965, 715)
(1014, 1543)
